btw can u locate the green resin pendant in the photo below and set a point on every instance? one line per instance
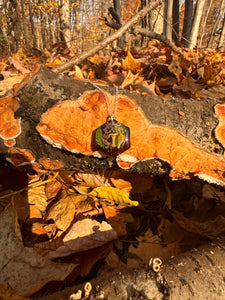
(113, 137)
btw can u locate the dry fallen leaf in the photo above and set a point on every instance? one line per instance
(132, 182)
(6, 293)
(92, 179)
(63, 211)
(78, 73)
(150, 246)
(52, 188)
(209, 229)
(129, 79)
(174, 66)
(21, 267)
(8, 83)
(36, 196)
(131, 64)
(211, 192)
(116, 219)
(83, 235)
(113, 194)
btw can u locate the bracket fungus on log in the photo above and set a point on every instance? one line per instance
(220, 129)
(9, 125)
(20, 157)
(70, 125)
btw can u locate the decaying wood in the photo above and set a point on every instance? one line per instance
(43, 89)
(197, 274)
(110, 39)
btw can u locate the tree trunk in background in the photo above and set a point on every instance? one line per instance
(176, 20)
(169, 19)
(216, 24)
(205, 17)
(143, 22)
(76, 28)
(157, 20)
(32, 25)
(81, 12)
(117, 8)
(24, 25)
(196, 22)
(51, 34)
(222, 35)
(13, 29)
(3, 44)
(187, 22)
(43, 27)
(64, 18)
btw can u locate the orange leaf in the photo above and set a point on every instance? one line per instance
(131, 64)
(115, 218)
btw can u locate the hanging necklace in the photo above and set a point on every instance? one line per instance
(112, 137)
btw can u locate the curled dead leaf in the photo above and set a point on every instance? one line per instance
(83, 235)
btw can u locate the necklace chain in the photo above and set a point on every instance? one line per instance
(112, 116)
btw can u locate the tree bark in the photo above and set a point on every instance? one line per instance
(43, 29)
(216, 24)
(187, 22)
(156, 19)
(207, 9)
(176, 21)
(24, 25)
(197, 274)
(169, 20)
(14, 30)
(222, 35)
(64, 17)
(196, 23)
(32, 25)
(117, 8)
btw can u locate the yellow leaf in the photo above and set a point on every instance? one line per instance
(131, 64)
(57, 61)
(130, 79)
(114, 194)
(78, 73)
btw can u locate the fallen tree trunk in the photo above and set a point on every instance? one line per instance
(197, 274)
(177, 133)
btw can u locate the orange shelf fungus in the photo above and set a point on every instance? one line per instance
(71, 124)
(20, 157)
(220, 129)
(9, 125)
(50, 164)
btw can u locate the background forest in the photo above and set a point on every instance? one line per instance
(40, 24)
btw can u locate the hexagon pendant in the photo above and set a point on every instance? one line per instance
(112, 137)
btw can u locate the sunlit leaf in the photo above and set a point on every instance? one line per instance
(113, 194)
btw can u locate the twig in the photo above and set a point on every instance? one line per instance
(77, 60)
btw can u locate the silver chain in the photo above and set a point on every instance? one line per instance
(112, 116)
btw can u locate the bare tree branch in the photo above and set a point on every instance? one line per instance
(77, 60)
(159, 37)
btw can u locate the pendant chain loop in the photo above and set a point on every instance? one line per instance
(112, 116)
